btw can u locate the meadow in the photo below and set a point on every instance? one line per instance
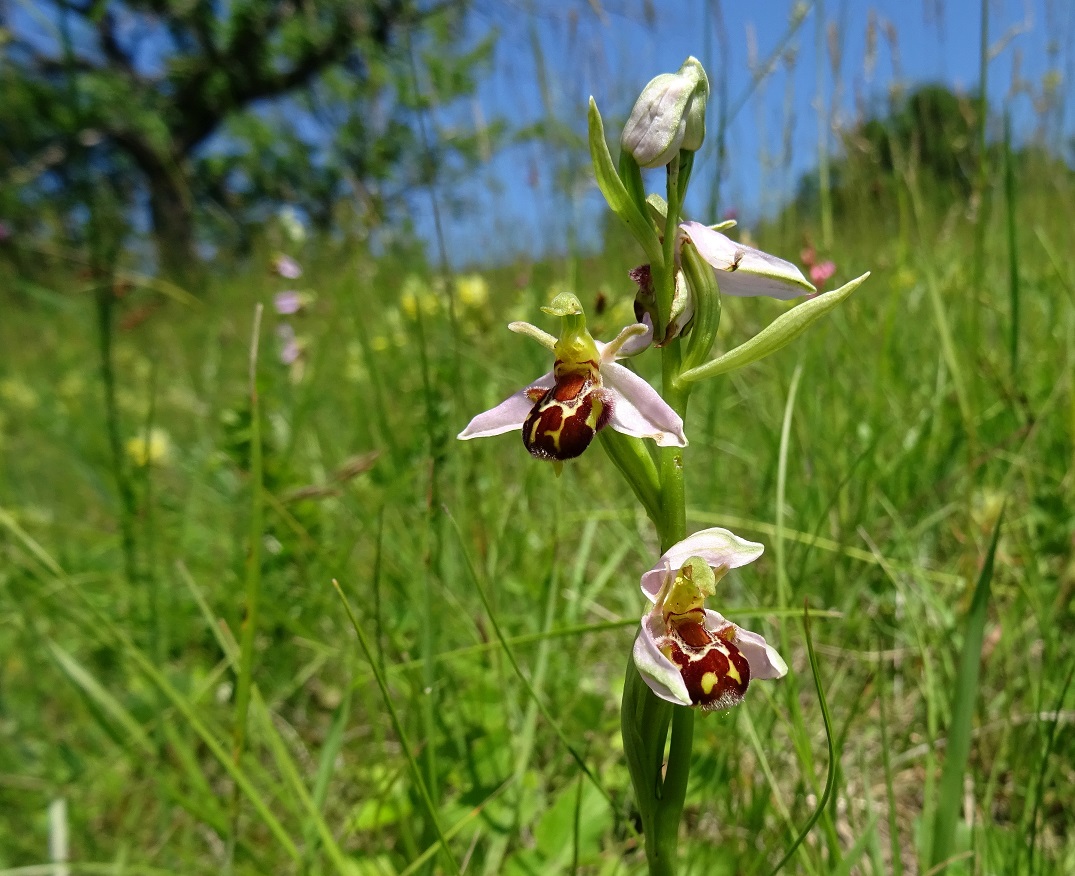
(149, 498)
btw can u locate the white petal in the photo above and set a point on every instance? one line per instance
(660, 674)
(508, 415)
(743, 270)
(762, 658)
(639, 410)
(718, 547)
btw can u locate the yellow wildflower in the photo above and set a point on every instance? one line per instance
(149, 451)
(472, 290)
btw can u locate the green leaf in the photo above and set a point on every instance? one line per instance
(636, 465)
(706, 308)
(615, 192)
(108, 704)
(779, 333)
(964, 699)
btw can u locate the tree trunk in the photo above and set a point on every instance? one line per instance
(173, 223)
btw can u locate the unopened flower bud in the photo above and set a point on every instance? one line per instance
(668, 116)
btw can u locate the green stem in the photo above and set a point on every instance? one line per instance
(646, 718)
(665, 278)
(672, 526)
(248, 635)
(661, 851)
(128, 510)
(662, 837)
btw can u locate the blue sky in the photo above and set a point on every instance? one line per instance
(552, 55)
(612, 50)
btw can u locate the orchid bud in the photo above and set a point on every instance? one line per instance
(668, 116)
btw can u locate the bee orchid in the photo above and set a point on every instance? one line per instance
(690, 655)
(561, 412)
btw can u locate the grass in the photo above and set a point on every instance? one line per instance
(501, 650)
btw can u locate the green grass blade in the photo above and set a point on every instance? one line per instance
(108, 703)
(315, 823)
(950, 794)
(253, 559)
(896, 864)
(510, 654)
(326, 764)
(851, 859)
(215, 746)
(830, 779)
(1039, 790)
(397, 726)
(418, 862)
(1013, 250)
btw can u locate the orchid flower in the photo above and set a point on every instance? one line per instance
(686, 653)
(740, 270)
(743, 270)
(562, 411)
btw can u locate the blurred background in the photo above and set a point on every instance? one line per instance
(183, 474)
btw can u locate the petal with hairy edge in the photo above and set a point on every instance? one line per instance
(509, 414)
(718, 547)
(638, 409)
(762, 658)
(660, 674)
(745, 271)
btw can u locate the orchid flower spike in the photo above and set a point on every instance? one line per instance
(562, 411)
(686, 653)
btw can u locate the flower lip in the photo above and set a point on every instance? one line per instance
(720, 548)
(710, 665)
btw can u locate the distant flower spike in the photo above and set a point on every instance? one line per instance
(286, 267)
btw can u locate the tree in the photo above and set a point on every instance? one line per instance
(239, 105)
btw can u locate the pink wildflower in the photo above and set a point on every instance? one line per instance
(287, 303)
(821, 273)
(286, 267)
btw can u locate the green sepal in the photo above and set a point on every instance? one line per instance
(615, 192)
(706, 293)
(631, 176)
(779, 333)
(658, 209)
(636, 465)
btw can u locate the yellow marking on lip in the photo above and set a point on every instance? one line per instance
(708, 682)
(732, 671)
